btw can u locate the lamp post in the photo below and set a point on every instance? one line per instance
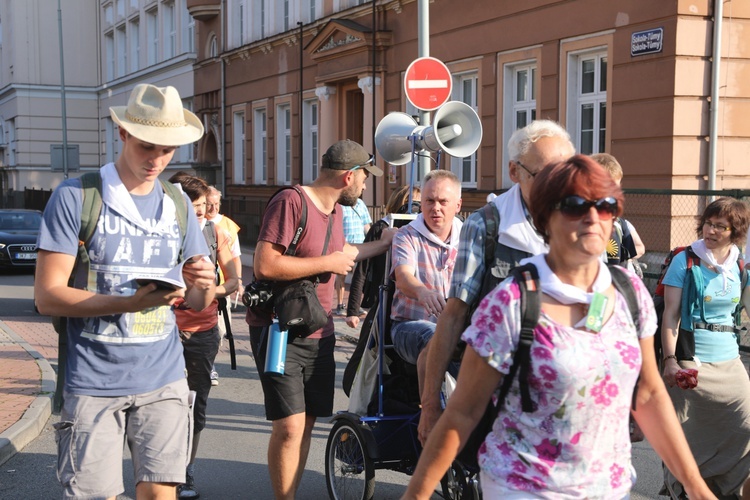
(62, 94)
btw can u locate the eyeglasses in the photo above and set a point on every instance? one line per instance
(363, 165)
(212, 205)
(576, 207)
(532, 174)
(719, 228)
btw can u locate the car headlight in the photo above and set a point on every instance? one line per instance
(2, 245)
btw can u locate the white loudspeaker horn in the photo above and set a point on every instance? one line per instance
(392, 137)
(456, 130)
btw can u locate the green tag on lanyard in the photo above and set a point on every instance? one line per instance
(595, 317)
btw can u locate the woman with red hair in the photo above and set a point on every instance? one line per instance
(586, 356)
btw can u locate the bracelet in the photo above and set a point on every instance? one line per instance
(671, 356)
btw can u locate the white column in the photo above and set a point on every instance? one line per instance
(328, 124)
(365, 84)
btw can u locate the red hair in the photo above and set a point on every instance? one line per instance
(578, 175)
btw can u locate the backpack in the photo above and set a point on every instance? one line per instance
(692, 261)
(91, 186)
(527, 278)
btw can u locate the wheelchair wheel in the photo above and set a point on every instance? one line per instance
(456, 484)
(350, 474)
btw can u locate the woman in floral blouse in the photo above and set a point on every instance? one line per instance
(584, 365)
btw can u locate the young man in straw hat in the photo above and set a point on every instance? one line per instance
(125, 373)
(305, 392)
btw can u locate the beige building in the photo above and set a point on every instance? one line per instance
(109, 46)
(633, 79)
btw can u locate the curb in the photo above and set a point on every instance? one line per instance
(17, 436)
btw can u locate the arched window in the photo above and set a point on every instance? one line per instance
(213, 47)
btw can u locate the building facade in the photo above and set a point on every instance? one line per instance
(633, 79)
(108, 47)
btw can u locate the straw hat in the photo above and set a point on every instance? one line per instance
(155, 115)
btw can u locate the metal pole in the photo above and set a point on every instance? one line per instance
(423, 40)
(62, 94)
(714, 113)
(374, 126)
(301, 107)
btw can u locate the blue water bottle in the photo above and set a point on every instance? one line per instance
(276, 349)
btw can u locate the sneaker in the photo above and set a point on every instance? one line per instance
(187, 490)
(214, 378)
(341, 310)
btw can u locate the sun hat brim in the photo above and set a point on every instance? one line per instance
(188, 133)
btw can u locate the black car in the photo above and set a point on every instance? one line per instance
(18, 233)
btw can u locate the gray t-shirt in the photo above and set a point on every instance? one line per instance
(130, 353)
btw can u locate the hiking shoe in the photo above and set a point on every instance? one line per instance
(187, 490)
(214, 382)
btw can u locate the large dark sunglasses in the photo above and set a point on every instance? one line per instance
(576, 207)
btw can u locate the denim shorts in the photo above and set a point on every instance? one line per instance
(410, 337)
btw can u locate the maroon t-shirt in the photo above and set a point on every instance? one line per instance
(279, 224)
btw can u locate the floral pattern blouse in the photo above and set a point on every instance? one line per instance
(576, 444)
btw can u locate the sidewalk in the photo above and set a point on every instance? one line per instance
(27, 381)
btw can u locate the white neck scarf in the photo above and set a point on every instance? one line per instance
(726, 268)
(562, 292)
(515, 230)
(421, 227)
(116, 196)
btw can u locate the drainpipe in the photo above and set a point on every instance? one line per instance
(222, 114)
(714, 110)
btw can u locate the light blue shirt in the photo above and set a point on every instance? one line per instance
(718, 308)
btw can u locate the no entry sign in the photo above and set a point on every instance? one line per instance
(427, 83)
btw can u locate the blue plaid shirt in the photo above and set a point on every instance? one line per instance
(466, 283)
(355, 220)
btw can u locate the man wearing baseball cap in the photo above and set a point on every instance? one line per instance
(305, 392)
(125, 373)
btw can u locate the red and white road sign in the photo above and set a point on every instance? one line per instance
(427, 83)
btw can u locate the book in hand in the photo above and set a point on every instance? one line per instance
(172, 280)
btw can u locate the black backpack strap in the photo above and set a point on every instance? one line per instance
(622, 284)
(292, 248)
(527, 278)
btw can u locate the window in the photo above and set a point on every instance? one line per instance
(12, 142)
(312, 10)
(135, 45)
(310, 141)
(121, 47)
(588, 118)
(465, 90)
(260, 152)
(262, 18)
(120, 8)
(284, 145)
(519, 104)
(240, 22)
(524, 96)
(152, 36)
(286, 15)
(109, 17)
(185, 152)
(238, 143)
(188, 42)
(109, 56)
(112, 138)
(170, 30)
